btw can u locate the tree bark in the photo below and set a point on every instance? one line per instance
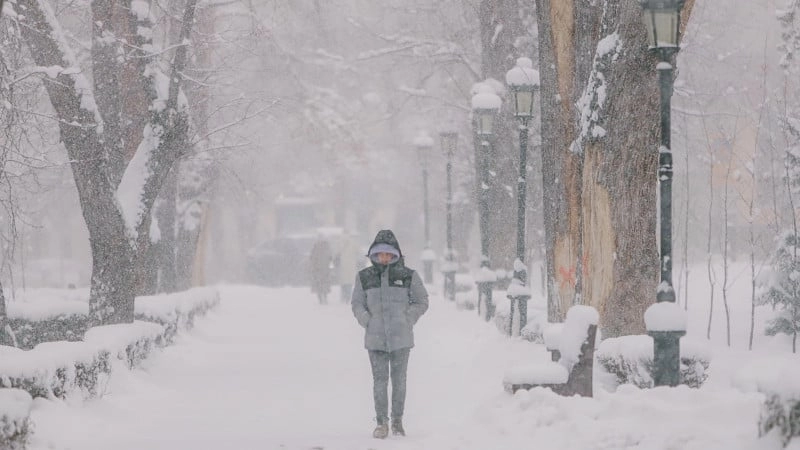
(166, 247)
(3, 313)
(561, 168)
(198, 174)
(80, 126)
(600, 172)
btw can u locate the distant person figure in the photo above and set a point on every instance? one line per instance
(388, 299)
(347, 266)
(320, 264)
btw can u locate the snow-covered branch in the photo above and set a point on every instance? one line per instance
(70, 91)
(593, 100)
(164, 137)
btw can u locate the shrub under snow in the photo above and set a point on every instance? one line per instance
(46, 315)
(777, 379)
(630, 360)
(15, 409)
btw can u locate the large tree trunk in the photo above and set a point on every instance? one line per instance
(189, 213)
(197, 173)
(600, 172)
(3, 313)
(561, 168)
(111, 293)
(166, 247)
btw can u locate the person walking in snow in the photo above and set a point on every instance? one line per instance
(320, 260)
(388, 299)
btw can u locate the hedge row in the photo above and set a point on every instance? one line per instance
(61, 368)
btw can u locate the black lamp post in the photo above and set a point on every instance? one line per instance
(485, 105)
(424, 143)
(523, 82)
(449, 141)
(662, 19)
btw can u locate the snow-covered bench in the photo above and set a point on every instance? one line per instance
(552, 335)
(572, 349)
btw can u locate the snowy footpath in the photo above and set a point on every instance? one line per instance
(271, 369)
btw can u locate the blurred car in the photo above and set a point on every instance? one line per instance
(281, 262)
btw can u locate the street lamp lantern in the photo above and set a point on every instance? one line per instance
(523, 81)
(449, 141)
(424, 143)
(485, 105)
(662, 18)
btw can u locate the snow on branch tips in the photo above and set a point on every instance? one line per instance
(593, 99)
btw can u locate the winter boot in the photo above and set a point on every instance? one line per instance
(381, 431)
(397, 427)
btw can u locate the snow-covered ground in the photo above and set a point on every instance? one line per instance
(271, 369)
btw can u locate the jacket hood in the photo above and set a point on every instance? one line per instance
(386, 237)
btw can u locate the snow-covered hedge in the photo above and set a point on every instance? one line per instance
(630, 360)
(15, 427)
(26, 333)
(177, 313)
(48, 318)
(776, 378)
(57, 369)
(45, 315)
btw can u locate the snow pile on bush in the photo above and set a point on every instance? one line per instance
(777, 379)
(45, 315)
(179, 312)
(502, 315)
(630, 360)
(15, 409)
(534, 329)
(25, 333)
(58, 369)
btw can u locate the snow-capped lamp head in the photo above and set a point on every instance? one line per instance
(485, 105)
(523, 82)
(662, 19)
(423, 142)
(449, 141)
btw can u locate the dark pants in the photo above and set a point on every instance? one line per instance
(382, 363)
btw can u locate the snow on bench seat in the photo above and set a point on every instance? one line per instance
(572, 373)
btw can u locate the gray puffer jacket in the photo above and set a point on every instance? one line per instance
(388, 300)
